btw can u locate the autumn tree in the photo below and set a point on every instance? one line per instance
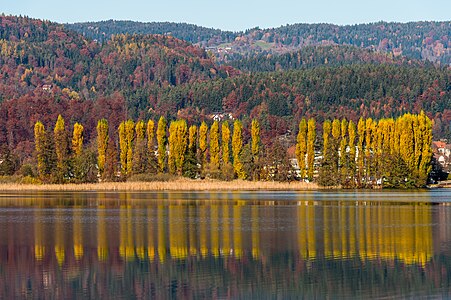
(161, 140)
(237, 147)
(311, 138)
(301, 147)
(203, 130)
(140, 152)
(61, 149)
(152, 159)
(102, 143)
(214, 147)
(77, 139)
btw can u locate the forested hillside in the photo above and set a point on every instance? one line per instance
(280, 99)
(47, 70)
(314, 56)
(417, 40)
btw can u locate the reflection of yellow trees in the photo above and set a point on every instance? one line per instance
(39, 248)
(255, 232)
(78, 233)
(335, 230)
(60, 252)
(102, 244)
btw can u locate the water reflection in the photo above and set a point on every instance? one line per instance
(239, 245)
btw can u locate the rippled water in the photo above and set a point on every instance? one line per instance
(260, 245)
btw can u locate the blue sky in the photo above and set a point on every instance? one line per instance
(233, 14)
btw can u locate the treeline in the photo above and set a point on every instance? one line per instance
(103, 30)
(416, 40)
(384, 153)
(314, 56)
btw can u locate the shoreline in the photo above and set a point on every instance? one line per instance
(173, 185)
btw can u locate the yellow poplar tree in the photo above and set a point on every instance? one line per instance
(225, 132)
(311, 137)
(77, 139)
(301, 146)
(237, 147)
(102, 143)
(214, 146)
(352, 151)
(161, 140)
(60, 137)
(360, 153)
(139, 155)
(203, 129)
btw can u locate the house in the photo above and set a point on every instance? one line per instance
(47, 87)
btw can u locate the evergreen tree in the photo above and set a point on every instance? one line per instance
(190, 163)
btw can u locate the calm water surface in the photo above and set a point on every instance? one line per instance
(243, 245)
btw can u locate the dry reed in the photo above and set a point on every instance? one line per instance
(175, 185)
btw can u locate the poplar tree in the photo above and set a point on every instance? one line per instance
(203, 129)
(139, 155)
(352, 152)
(335, 143)
(161, 140)
(214, 146)
(225, 132)
(237, 148)
(152, 159)
(61, 148)
(255, 149)
(360, 153)
(344, 162)
(130, 135)
(301, 147)
(77, 139)
(102, 144)
(311, 137)
(178, 141)
(424, 162)
(190, 163)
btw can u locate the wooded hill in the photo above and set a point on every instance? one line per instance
(417, 40)
(47, 70)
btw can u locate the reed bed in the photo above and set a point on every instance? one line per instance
(175, 185)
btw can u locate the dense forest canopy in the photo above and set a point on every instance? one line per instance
(417, 40)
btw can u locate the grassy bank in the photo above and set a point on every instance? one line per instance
(174, 185)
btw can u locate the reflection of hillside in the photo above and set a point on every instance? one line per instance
(194, 244)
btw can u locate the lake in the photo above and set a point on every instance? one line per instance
(216, 245)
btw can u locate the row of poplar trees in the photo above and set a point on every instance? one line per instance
(148, 148)
(384, 153)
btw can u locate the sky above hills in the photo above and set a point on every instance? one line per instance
(233, 15)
